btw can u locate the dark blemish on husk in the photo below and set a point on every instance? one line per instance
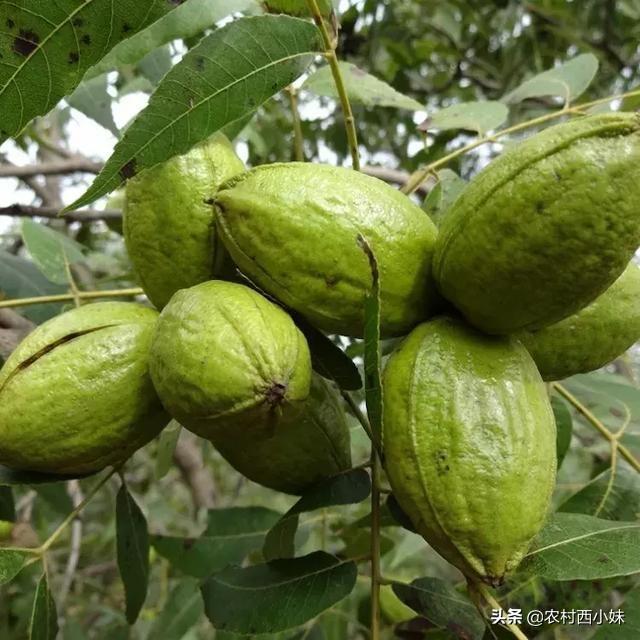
(26, 42)
(331, 281)
(25, 364)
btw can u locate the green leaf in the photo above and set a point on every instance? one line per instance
(56, 496)
(20, 278)
(187, 20)
(92, 98)
(610, 398)
(7, 504)
(224, 78)
(573, 546)
(10, 564)
(182, 611)
(372, 355)
(297, 7)
(44, 617)
(133, 552)
(399, 516)
(616, 498)
(568, 81)
(442, 605)
(386, 519)
(166, 446)
(156, 64)
(443, 194)
(629, 629)
(362, 88)
(448, 22)
(48, 249)
(327, 358)
(350, 487)
(278, 595)
(357, 543)
(47, 47)
(631, 103)
(231, 534)
(564, 427)
(480, 117)
(16, 477)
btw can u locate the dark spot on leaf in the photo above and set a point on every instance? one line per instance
(616, 412)
(78, 22)
(539, 206)
(126, 28)
(10, 23)
(26, 42)
(74, 56)
(604, 559)
(129, 169)
(86, 39)
(209, 201)
(188, 543)
(200, 63)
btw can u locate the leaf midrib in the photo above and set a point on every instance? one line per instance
(198, 104)
(589, 534)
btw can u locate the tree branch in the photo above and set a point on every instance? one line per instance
(86, 215)
(391, 176)
(188, 459)
(75, 493)
(51, 168)
(80, 165)
(13, 328)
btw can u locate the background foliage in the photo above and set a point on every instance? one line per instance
(424, 80)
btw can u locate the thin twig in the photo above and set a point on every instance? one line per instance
(73, 287)
(53, 168)
(65, 297)
(74, 514)
(332, 59)
(53, 213)
(375, 544)
(591, 418)
(477, 588)
(298, 139)
(422, 174)
(362, 418)
(75, 493)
